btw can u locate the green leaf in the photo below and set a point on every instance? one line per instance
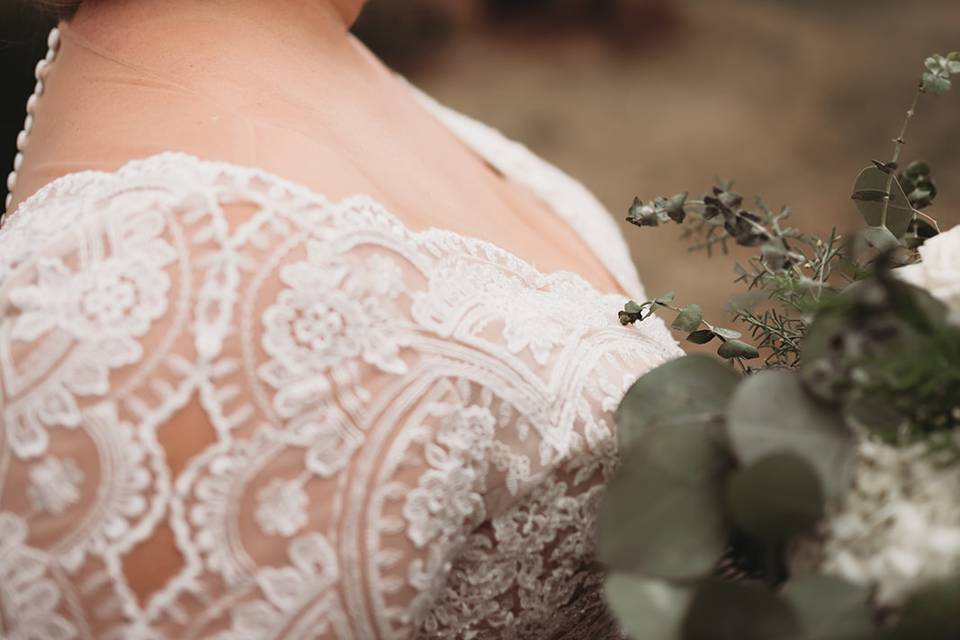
(730, 199)
(737, 349)
(830, 608)
(738, 611)
(727, 334)
(643, 215)
(870, 189)
(665, 298)
(689, 319)
(648, 609)
(917, 169)
(880, 238)
(772, 413)
(662, 515)
(930, 614)
(953, 62)
(633, 308)
(674, 207)
(701, 337)
(775, 498)
(685, 389)
(935, 63)
(936, 84)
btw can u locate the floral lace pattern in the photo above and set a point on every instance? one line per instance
(403, 434)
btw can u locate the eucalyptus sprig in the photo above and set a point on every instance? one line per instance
(723, 474)
(796, 272)
(690, 320)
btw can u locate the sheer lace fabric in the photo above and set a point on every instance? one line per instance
(233, 409)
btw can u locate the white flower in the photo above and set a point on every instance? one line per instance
(282, 508)
(54, 485)
(900, 527)
(939, 272)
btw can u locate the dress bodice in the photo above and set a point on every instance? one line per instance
(317, 422)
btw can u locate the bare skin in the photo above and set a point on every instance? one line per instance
(283, 86)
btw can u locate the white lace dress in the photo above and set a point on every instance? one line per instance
(330, 426)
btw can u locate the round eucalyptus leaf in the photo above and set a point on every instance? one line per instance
(727, 334)
(662, 514)
(740, 611)
(775, 498)
(703, 336)
(772, 413)
(674, 207)
(918, 168)
(633, 307)
(830, 608)
(930, 614)
(880, 238)
(689, 319)
(647, 609)
(869, 192)
(691, 387)
(936, 84)
(737, 349)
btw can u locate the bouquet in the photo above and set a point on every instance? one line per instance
(806, 485)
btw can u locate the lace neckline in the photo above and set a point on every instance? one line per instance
(157, 164)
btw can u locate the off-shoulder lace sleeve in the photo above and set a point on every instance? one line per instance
(234, 410)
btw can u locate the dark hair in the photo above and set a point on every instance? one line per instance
(60, 8)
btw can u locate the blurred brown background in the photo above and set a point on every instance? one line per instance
(651, 97)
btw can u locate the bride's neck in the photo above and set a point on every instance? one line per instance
(244, 43)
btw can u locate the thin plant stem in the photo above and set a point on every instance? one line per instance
(898, 144)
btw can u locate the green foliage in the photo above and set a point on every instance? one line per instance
(689, 319)
(681, 391)
(772, 412)
(936, 78)
(671, 475)
(891, 213)
(662, 515)
(731, 611)
(794, 271)
(830, 609)
(931, 614)
(775, 498)
(649, 609)
(723, 473)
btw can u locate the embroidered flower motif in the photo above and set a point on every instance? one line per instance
(281, 508)
(104, 307)
(325, 317)
(119, 296)
(54, 485)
